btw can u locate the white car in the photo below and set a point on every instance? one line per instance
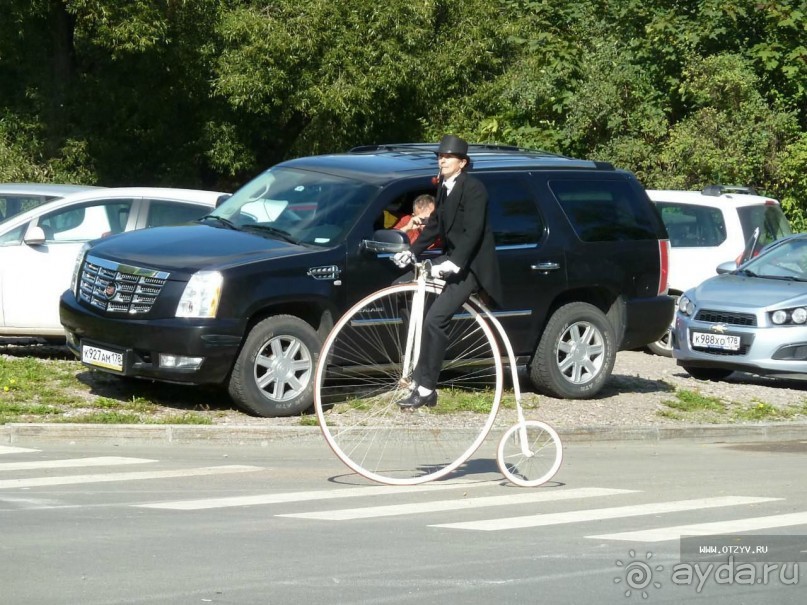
(710, 227)
(19, 197)
(38, 247)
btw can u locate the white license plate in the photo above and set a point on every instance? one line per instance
(724, 342)
(102, 358)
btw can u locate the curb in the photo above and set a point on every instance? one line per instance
(11, 434)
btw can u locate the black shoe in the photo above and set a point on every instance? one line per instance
(416, 400)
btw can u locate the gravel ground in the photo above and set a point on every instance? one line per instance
(642, 382)
(637, 394)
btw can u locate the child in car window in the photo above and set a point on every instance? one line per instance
(412, 224)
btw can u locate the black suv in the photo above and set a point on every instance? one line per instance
(245, 296)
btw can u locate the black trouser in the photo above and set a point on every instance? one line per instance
(436, 326)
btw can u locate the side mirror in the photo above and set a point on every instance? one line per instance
(386, 241)
(726, 267)
(34, 236)
(223, 198)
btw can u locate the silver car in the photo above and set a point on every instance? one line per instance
(749, 319)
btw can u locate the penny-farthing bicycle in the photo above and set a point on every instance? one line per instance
(365, 368)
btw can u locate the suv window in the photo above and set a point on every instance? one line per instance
(602, 211)
(691, 226)
(513, 215)
(310, 207)
(769, 218)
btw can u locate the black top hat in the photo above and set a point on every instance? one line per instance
(453, 145)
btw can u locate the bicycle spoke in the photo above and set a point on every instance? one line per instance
(529, 453)
(359, 382)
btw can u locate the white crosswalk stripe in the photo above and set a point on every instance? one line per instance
(531, 497)
(598, 514)
(310, 496)
(72, 463)
(8, 449)
(662, 534)
(111, 477)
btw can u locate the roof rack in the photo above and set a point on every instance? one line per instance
(432, 147)
(718, 190)
(393, 147)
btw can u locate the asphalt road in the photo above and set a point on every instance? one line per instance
(286, 523)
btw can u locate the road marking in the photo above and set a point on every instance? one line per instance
(663, 534)
(457, 504)
(326, 494)
(653, 508)
(8, 449)
(110, 477)
(72, 463)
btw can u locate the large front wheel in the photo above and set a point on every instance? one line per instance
(360, 380)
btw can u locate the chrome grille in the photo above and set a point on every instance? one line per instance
(724, 317)
(118, 288)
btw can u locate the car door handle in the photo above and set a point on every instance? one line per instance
(547, 266)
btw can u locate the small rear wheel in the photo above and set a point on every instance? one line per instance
(529, 453)
(360, 380)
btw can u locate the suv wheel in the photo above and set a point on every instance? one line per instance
(663, 346)
(273, 375)
(576, 353)
(714, 374)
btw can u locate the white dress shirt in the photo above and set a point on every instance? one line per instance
(449, 183)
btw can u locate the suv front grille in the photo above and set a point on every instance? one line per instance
(732, 319)
(117, 288)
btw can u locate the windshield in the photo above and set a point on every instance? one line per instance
(296, 205)
(788, 260)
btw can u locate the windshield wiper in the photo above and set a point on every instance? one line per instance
(221, 220)
(785, 277)
(746, 272)
(284, 235)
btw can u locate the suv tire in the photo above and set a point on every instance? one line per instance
(664, 345)
(287, 346)
(562, 354)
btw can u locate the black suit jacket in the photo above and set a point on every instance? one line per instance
(461, 220)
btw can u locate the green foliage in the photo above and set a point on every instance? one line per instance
(731, 135)
(208, 92)
(791, 182)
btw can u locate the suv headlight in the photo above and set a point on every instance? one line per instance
(201, 296)
(77, 268)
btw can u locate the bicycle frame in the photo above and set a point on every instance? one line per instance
(415, 330)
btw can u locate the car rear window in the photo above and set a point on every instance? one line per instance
(693, 226)
(770, 219)
(606, 210)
